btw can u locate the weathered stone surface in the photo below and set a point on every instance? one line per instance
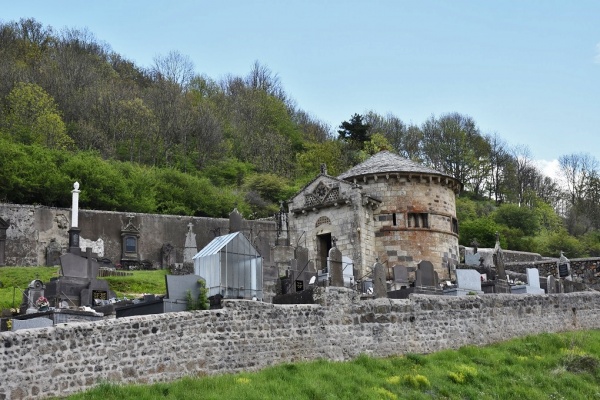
(34, 227)
(248, 335)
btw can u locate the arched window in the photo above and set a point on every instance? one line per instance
(321, 221)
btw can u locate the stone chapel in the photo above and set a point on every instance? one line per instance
(387, 208)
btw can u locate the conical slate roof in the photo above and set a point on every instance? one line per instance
(387, 162)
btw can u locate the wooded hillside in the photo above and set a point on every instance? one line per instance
(168, 139)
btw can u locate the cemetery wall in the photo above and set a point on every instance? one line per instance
(247, 335)
(586, 270)
(32, 228)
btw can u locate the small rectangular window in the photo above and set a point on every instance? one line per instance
(130, 244)
(417, 220)
(394, 221)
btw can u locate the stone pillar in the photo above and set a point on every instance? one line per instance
(336, 271)
(379, 282)
(3, 227)
(74, 231)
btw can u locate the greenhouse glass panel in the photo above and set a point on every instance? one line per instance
(231, 266)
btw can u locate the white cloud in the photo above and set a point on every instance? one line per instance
(597, 56)
(548, 168)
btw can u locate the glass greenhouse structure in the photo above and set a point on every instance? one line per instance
(231, 266)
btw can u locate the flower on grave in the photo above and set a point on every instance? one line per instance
(42, 302)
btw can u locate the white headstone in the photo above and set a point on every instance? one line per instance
(468, 279)
(533, 278)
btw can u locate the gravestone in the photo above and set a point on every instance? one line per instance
(348, 271)
(426, 281)
(78, 284)
(168, 255)
(425, 274)
(551, 284)
(262, 245)
(533, 284)
(301, 255)
(31, 323)
(177, 290)
(499, 259)
(235, 221)
(468, 283)
(564, 267)
(400, 276)
(53, 253)
(191, 248)
(34, 291)
(379, 282)
(336, 273)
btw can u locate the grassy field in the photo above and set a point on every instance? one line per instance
(547, 366)
(130, 286)
(14, 280)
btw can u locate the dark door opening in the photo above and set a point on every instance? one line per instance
(323, 247)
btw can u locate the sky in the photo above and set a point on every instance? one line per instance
(526, 70)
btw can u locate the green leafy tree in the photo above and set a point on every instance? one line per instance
(522, 218)
(33, 117)
(482, 229)
(355, 130)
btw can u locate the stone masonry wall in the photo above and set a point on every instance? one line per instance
(247, 335)
(396, 241)
(33, 227)
(585, 270)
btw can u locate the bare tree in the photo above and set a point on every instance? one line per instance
(576, 170)
(175, 68)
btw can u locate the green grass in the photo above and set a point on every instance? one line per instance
(140, 282)
(19, 278)
(131, 286)
(547, 366)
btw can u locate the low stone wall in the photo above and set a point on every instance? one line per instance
(247, 335)
(586, 270)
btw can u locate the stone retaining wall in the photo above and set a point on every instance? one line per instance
(586, 270)
(247, 335)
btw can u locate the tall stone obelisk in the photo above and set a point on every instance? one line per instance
(74, 231)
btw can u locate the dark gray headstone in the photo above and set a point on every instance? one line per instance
(301, 255)
(263, 246)
(235, 221)
(425, 275)
(168, 255)
(379, 282)
(335, 267)
(53, 253)
(550, 284)
(75, 266)
(400, 274)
